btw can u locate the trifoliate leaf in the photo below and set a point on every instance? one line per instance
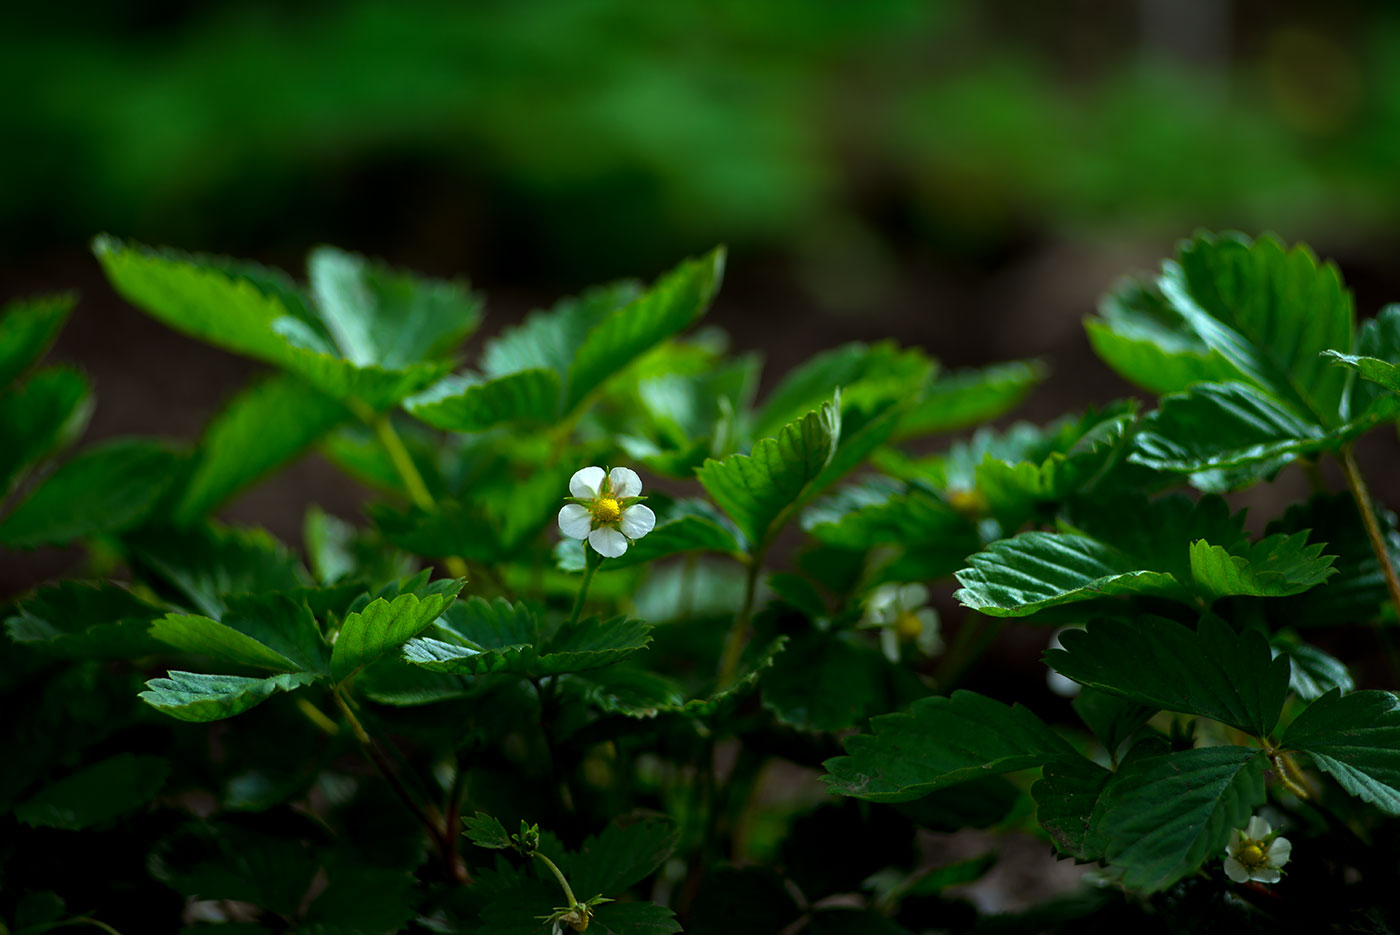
(959, 400)
(1313, 673)
(96, 793)
(78, 620)
(469, 404)
(377, 315)
(27, 328)
(39, 416)
(206, 563)
(195, 696)
(105, 489)
(251, 312)
(588, 644)
(670, 306)
(1212, 672)
(260, 429)
(623, 855)
(485, 831)
(1274, 567)
(939, 742)
(1354, 738)
(384, 626)
(758, 489)
(1166, 815)
(1066, 796)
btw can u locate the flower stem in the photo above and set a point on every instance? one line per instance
(591, 561)
(1373, 533)
(739, 635)
(408, 472)
(568, 893)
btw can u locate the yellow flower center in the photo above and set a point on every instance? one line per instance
(1251, 855)
(970, 503)
(908, 625)
(607, 510)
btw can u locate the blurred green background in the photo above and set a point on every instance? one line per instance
(965, 175)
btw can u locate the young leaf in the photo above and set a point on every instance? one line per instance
(96, 793)
(670, 306)
(485, 831)
(385, 625)
(757, 489)
(378, 315)
(194, 696)
(105, 489)
(27, 328)
(196, 634)
(469, 404)
(1212, 672)
(39, 416)
(1354, 738)
(263, 427)
(1383, 370)
(939, 742)
(1166, 815)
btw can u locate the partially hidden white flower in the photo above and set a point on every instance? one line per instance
(901, 613)
(605, 509)
(1256, 853)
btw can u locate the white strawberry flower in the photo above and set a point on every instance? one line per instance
(1256, 853)
(901, 613)
(605, 508)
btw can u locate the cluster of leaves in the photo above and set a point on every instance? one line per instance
(665, 720)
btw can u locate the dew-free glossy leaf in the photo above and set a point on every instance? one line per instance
(39, 416)
(549, 340)
(964, 398)
(1274, 567)
(196, 696)
(196, 634)
(682, 527)
(106, 489)
(1066, 796)
(469, 404)
(1354, 738)
(939, 742)
(27, 328)
(385, 625)
(809, 385)
(96, 793)
(1166, 815)
(588, 644)
(1313, 673)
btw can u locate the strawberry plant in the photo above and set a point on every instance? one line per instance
(622, 646)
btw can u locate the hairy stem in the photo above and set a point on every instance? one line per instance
(591, 561)
(739, 635)
(1357, 486)
(568, 893)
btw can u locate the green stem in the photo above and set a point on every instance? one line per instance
(591, 561)
(739, 635)
(1373, 533)
(568, 893)
(408, 472)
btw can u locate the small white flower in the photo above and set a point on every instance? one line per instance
(1256, 853)
(606, 510)
(901, 613)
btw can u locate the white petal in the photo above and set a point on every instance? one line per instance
(1236, 871)
(889, 643)
(637, 520)
(912, 596)
(1266, 876)
(1258, 829)
(1061, 685)
(1236, 842)
(625, 483)
(585, 482)
(575, 521)
(882, 602)
(607, 542)
(1279, 852)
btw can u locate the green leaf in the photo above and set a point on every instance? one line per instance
(196, 634)
(550, 340)
(27, 328)
(1376, 358)
(1066, 796)
(808, 386)
(671, 305)
(1355, 739)
(682, 526)
(195, 696)
(1212, 672)
(250, 312)
(1225, 425)
(79, 620)
(485, 831)
(1313, 673)
(361, 898)
(260, 429)
(1384, 373)
(638, 693)
(96, 793)
(966, 398)
(1274, 567)
(623, 855)
(469, 404)
(284, 624)
(385, 625)
(106, 489)
(1166, 815)
(587, 644)
(207, 563)
(827, 684)
(39, 416)
(939, 742)
(759, 488)
(378, 315)
(1111, 719)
